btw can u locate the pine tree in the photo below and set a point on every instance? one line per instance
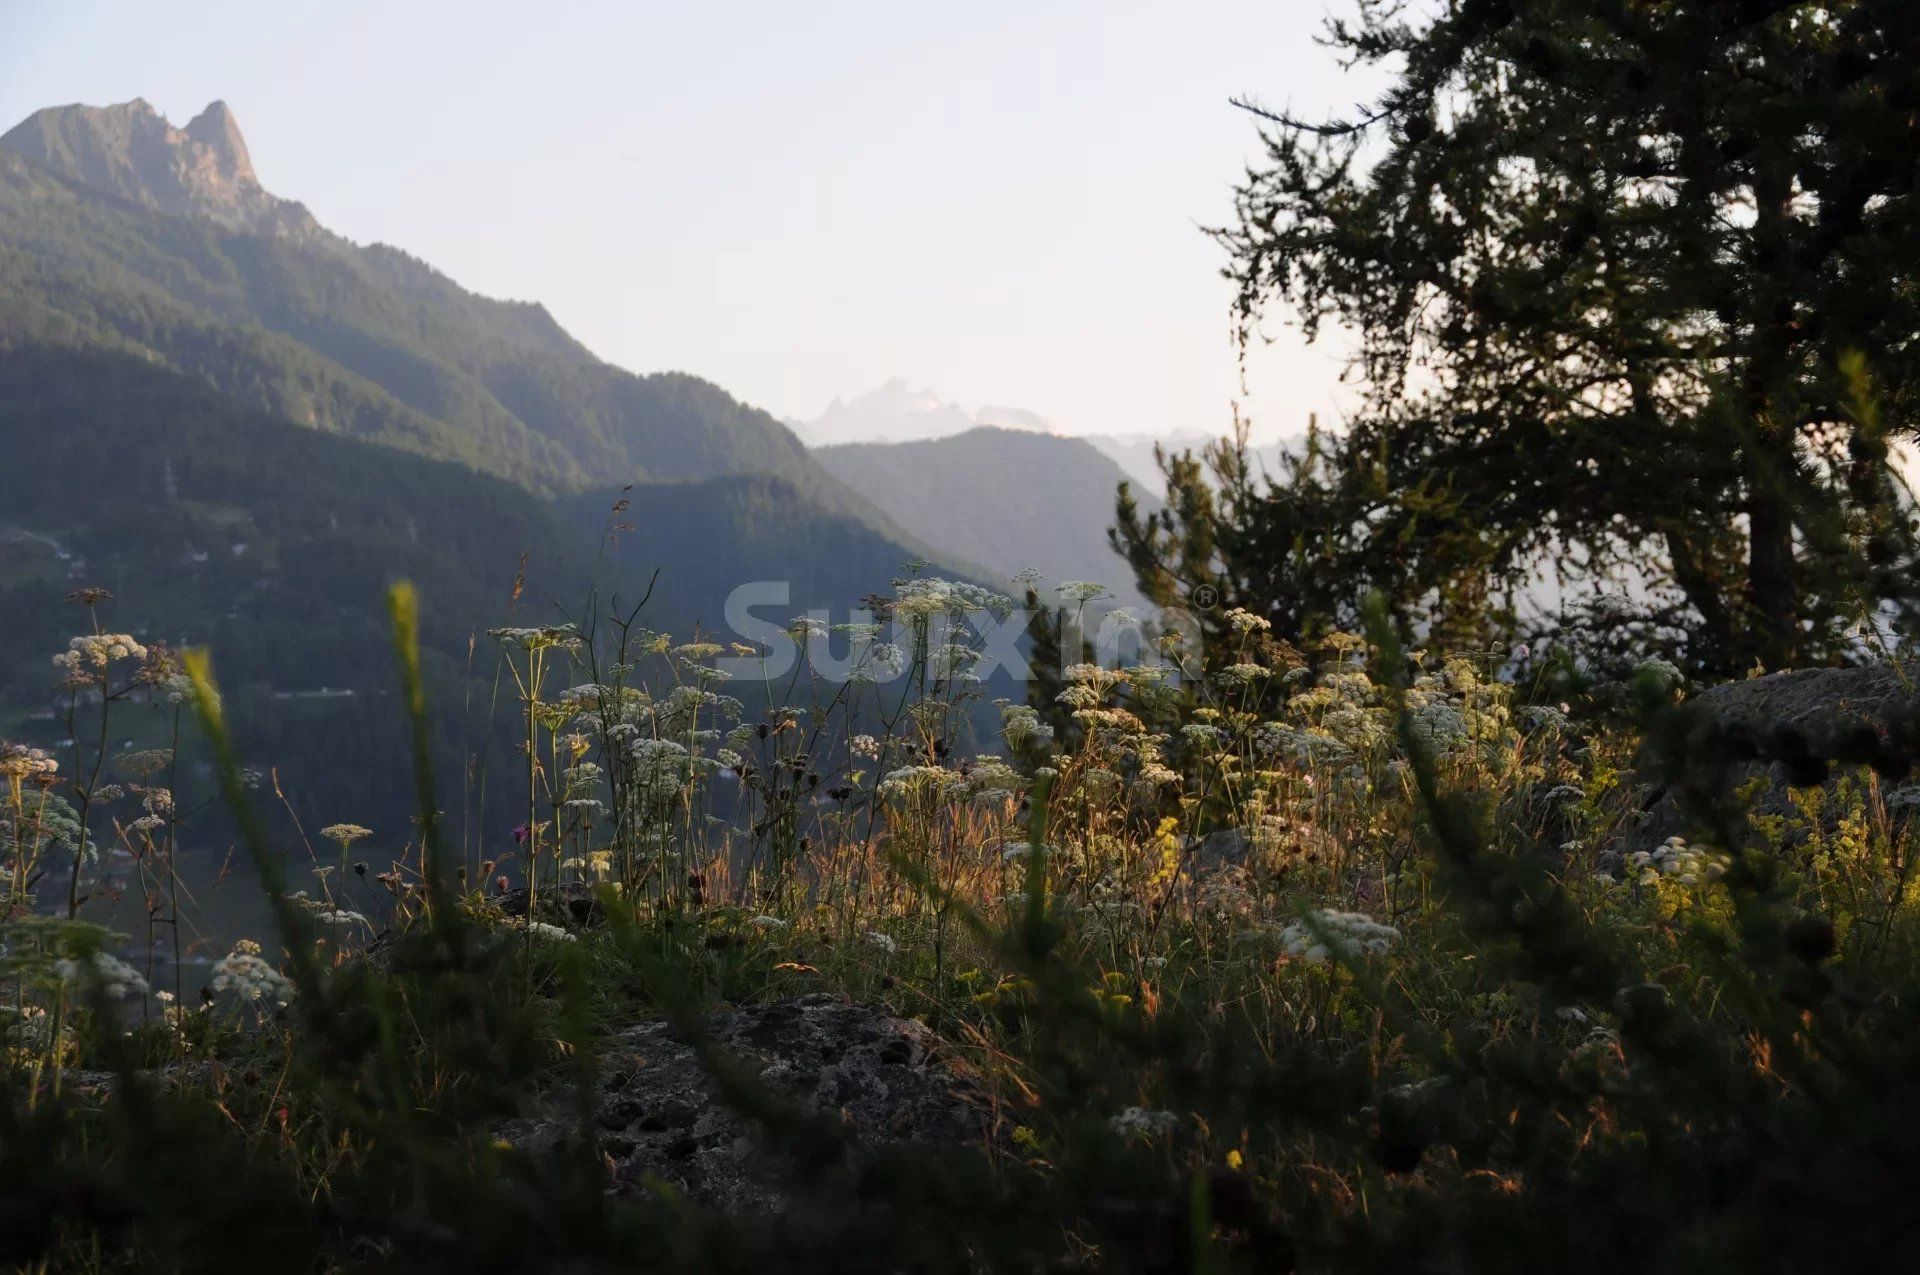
(1634, 286)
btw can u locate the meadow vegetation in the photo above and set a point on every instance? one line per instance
(1323, 954)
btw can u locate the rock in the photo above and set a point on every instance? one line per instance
(1821, 710)
(659, 1115)
(1222, 848)
(572, 901)
(132, 152)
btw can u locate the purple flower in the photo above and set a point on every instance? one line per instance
(521, 833)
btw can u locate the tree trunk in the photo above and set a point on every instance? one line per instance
(1773, 595)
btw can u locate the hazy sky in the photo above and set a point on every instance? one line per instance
(999, 202)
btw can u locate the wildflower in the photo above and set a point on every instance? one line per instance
(551, 933)
(1240, 675)
(1139, 1122)
(954, 663)
(244, 973)
(17, 761)
(324, 911)
(1663, 675)
(1439, 724)
(909, 781)
(537, 639)
(1324, 934)
(884, 942)
(1675, 858)
(103, 974)
(345, 834)
(882, 662)
(1539, 717)
(767, 923)
(1078, 697)
(1081, 591)
(865, 746)
(1021, 725)
(662, 768)
(1243, 621)
(91, 653)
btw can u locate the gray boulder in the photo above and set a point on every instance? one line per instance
(1822, 708)
(659, 1115)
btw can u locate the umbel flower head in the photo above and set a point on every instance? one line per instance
(345, 834)
(17, 761)
(248, 976)
(88, 656)
(537, 639)
(99, 972)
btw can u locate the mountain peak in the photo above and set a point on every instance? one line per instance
(130, 150)
(217, 130)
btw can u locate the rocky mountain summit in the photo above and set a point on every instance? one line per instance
(131, 151)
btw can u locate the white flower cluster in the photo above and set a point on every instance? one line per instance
(1021, 725)
(328, 914)
(551, 933)
(1662, 673)
(1438, 724)
(911, 781)
(1675, 858)
(1082, 591)
(88, 655)
(1542, 717)
(17, 761)
(880, 662)
(923, 598)
(1325, 934)
(662, 768)
(1236, 676)
(540, 639)
(101, 973)
(1243, 621)
(1139, 1122)
(1201, 735)
(244, 973)
(883, 943)
(954, 663)
(865, 747)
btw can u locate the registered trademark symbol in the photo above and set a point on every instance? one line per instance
(1205, 597)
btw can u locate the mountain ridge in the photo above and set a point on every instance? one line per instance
(371, 342)
(1012, 498)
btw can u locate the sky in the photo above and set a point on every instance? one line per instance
(1000, 202)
